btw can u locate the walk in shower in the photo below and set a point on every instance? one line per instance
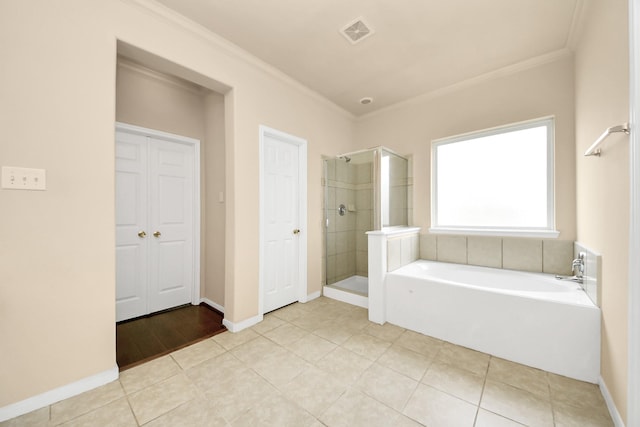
(364, 190)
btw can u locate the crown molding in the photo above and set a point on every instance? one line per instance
(577, 24)
(234, 51)
(492, 75)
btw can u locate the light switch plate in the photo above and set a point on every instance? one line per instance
(15, 178)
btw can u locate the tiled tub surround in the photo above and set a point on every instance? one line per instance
(396, 245)
(512, 253)
(402, 249)
(592, 271)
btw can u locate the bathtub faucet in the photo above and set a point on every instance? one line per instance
(577, 268)
(578, 264)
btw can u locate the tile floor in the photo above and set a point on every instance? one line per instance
(323, 363)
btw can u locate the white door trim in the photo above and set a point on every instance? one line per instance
(265, 131)
(633, 374)
(138, 130)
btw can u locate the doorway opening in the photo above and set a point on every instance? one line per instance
(154, 93)
(157, 221)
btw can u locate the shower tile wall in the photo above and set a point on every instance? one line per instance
(349, 184)
(398, 191)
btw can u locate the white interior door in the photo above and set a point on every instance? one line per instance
(281, 221)
(131, 225)
(155, 230)
(171, 222)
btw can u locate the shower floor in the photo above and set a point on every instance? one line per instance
(353, 290)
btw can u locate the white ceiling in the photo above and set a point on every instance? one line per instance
(419, 46)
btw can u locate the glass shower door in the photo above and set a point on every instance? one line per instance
(348, 214)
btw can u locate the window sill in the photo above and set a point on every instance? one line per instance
(498, 232)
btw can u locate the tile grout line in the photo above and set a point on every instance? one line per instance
(484, 384)
(126, 396)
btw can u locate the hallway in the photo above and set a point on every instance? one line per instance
(146, 338)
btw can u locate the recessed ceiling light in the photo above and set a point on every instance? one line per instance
(356, 30)
(366, 100)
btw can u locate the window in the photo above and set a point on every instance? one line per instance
(495, 182)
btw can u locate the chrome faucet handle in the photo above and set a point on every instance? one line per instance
(578, 262)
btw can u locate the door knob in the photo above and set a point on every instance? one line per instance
(157, 234)
(141, 234)
(296, 231)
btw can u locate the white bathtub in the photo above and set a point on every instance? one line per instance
(529, 318)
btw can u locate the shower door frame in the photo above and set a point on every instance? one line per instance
(374, 202)
(633, 374)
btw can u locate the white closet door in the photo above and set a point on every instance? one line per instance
(282, 222)
(155, 250)
(171, 248)
(131, 225)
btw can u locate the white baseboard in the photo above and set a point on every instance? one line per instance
(52, 396)
(247, 323)
(212, 304)
(613, 411)
(310, 297)
(244, 324)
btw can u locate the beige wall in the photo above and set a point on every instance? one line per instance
(156, 101)
(213, 170)
(602, 100)
(541, 91)
(57, 263)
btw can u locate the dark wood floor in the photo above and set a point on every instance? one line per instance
(144, 338)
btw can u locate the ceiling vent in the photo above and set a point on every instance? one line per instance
(356, 31)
